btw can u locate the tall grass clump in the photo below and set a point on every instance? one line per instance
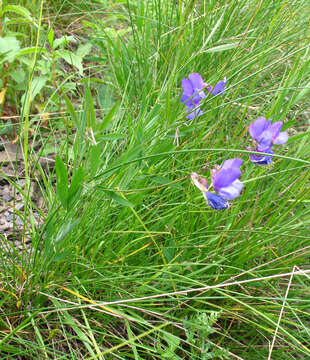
(127, 260)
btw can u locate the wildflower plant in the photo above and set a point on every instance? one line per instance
(225, 181)
(218, 88)
(193, 93)
(266, 135)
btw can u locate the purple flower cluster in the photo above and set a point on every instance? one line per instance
(193, 93)
(225, 179)
(266, 135)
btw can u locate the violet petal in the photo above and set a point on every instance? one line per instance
(275, 129)
(196, 81)
(215, 201)
(225, 178)
(264, 141)
(219, 87)
(193, 112)
(187, 100)
(187, 87)
(257, 127)
(281, 138)
(232, 191)
(232, 163)
(196, 98)
(262, 159)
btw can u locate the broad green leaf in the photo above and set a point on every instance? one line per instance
(71, 59)
(36, 86)
(18, 76)
(44, 66)
(104, 96)
(17, 9)
(84, 49)
(25, 51)
(62, 41)
(61, 182)
(9, 45)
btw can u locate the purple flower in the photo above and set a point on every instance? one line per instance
(262, 159)
(192, 94)
(225, 182)
(266, 135)
(219, 87)
(213, 200)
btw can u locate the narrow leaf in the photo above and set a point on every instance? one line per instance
(61, 181)
(50, 37)
(109, 116)
(89, 105)
(165, 181)
(94, 159)
(65, 229)
(223, 47)
(117, 198)
(71, 110)
(114, 136)
(212, 32)
(76, 185)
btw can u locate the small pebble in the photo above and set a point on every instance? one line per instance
(9, 217)
(7, 197)
(20, 206)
